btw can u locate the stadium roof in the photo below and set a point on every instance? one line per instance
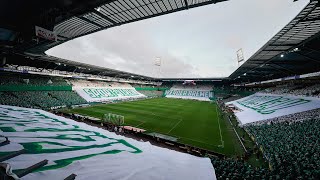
(53, 63)
(293, 51)
(70, 19)
(194, 79)
(50, 63)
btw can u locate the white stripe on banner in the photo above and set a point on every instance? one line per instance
(262, 106)
(89, 152)
(98, 94)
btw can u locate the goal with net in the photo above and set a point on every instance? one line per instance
(115, 119)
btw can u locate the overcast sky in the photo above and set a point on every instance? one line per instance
(200, 42)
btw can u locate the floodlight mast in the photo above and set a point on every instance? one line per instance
(158, 63)
(240, 57)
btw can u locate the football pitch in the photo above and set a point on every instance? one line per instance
(196, 123)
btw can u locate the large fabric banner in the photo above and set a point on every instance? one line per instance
(261, 106)
(202, 95)
(45, 33)
(89, 152)
(98, 94)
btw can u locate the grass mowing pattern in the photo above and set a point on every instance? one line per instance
(193, 122)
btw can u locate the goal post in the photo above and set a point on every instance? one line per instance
(113, 119)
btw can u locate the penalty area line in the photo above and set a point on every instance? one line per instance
(140, 124)
(222, 143)
(180, 137)
(174, 126)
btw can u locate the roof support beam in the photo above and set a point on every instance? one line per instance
(283, 45)
(105, 17)
(279, 70)
(309, 20)
(284, 68)
(275, 50)
(91, 22)
(308, 57)
(311, 49)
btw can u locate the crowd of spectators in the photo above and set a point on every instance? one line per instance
(86, 83)
(312, 90)
(36, 98)
(291, 145)
(192, 87)
(301, 116)
(152, 93)
(30, 80)
(40, 99)
(238, 169)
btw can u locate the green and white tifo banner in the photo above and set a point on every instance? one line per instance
(89, 152)
(203, 95)
(97, 94)
(261, 106)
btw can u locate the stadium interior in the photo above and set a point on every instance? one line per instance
(261, 122)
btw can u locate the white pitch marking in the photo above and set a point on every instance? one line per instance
(140, 124)
(222, 143)
(174, 126)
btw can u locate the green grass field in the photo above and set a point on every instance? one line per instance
(193, 122)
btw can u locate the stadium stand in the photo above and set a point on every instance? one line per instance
(227, 94)
(36, 135)
(290, 143)
(99, 91)
(86, 83)
(202, 92)
(206, 87)
(309, 90)
(143, 85)
(237, 169)
(33, 91)
(291, 146)
(152, 93)
(15, 79)
(41, 99)
(301, 116)
(286, 136)
(151, 90)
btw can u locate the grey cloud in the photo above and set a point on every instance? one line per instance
(128, 49)
(200, 42)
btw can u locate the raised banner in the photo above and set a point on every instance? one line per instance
(261, 106)
(202, 95)
(45, 34)
(89, 152)
(98, 94)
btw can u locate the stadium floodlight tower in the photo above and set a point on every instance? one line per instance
(158, 64)
(240, 56)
